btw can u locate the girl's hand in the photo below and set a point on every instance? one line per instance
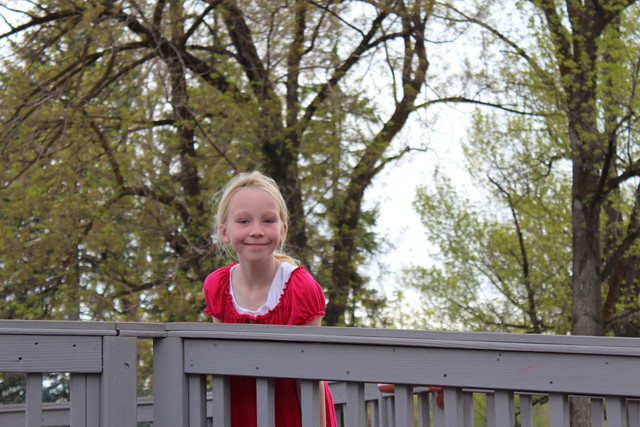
(315, 322)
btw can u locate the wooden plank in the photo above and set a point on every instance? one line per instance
(55, 414)
(527, 372)
(403, 399)
(633, 412)
(221, 401)
(33, 397)
(118, 403)
(52, 415)
(197, 400)
(84, 402)
(378, 333)
(93, 399)
(310, 403)
(453, 409)
(265, 402)
(616, 412)
(78, 396)
(490, 398)
(434, 339)
(558, 410)
(55, 327)
(468, 411)
(526, 410)
(374, 411)
(438, 414)
(505, 415)
(597, 412)
(170, 391)
(141, 330)
(76, 328)
(44, 353)
(355, 408)
(423, 409)
(385, 410)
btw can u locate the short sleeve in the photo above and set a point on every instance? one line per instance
(308, 301)
(215, 286)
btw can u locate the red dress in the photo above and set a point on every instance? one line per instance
(301, 301)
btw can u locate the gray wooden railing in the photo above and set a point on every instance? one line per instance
(485, 376)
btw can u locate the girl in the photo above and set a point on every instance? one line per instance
(265, 286)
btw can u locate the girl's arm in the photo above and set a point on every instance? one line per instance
(315, 322)
(215, 320)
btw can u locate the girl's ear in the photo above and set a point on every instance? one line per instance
(222, 233)
(283, 234)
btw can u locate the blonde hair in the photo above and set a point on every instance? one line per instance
(259, 181)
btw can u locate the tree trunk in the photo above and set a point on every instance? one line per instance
(586, 282)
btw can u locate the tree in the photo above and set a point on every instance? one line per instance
(503, 259)
(120, 119)
(597, 114)
(573, 76)
(569, 73)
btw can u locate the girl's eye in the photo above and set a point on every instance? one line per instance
(243, 221)
(269, 221)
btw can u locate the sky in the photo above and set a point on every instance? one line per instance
(394, 191)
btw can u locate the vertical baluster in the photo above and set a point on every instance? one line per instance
(221, 401)
(505, 416)
(170, 391)
(118, 395)
(310, 404)
(265, 402)
(597, 412)
(453, 416)
(374, 410)
(403, 400)
(197, 400)
(392, 411)
(559, 410)
(33, 417)
(93, 399)
(468, 411)
(616, 416)
(438, 413)
(78, 400)
(85, 398)
(633, 408)
(385, 410)
(340, 415)
(423, 410)
(526, 410)
(355, 410)
(490, 400)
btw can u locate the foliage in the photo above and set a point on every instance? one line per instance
(559, 158)
(504, 258)
(12, 388)
(121, 119)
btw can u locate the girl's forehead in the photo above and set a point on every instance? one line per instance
(251, 191)
(252, 196)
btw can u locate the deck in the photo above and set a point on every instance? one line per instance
(493, 377)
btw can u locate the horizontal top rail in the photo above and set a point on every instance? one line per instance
(407, 338)
(75, 328)
(334, 335)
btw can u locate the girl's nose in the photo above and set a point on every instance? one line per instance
(256, 229)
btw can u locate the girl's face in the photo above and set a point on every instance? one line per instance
(253, 226)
